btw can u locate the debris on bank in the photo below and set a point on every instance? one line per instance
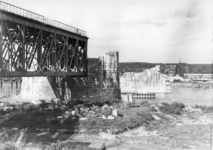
(100, 122)
(90, 118)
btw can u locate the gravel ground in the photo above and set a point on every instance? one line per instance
(191, 131)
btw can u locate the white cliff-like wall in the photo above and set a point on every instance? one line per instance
(148, 81)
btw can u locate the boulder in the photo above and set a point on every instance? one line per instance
(5, 104)
(97, 145)
(106, 111)
(103, 116)
(63, 107)
(83, 118)
(73, 112)
(115, 112)
(105, 106)
(60, 117)
(8, 108)
(191, 109)
(56, 100)
(110, 117)
(68, 112)
(156, 117)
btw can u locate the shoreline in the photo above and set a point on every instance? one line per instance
(158, 131)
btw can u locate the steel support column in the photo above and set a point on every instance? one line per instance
(1, 45)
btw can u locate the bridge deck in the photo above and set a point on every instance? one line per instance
(33, 45)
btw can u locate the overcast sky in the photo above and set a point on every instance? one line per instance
(163, 31)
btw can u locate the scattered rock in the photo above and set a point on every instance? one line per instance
(55, 135)
(60, 117)
(105, 106)
(83, 118)
(56, 100)
(43, 133)
(97, 145)
(67, 112)
(145, 103)
(41, 130)
(107, 136)
(191, 109)
(8, 108)
(73, 113)
(104, 117)
(115, 112)
(179, 124)
(63, 107)
(106, 111)
(5, 104)
(110, 117)
(134, 104)
(63, 130)
(66, 116)
(156, 117)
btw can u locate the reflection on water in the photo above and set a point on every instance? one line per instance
(188, 96)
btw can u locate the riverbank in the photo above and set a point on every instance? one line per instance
(203, 85)
(137, 126)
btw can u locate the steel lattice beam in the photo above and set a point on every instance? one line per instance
(31, 48)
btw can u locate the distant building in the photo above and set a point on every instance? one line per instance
(179, 70)
(176, 69)
(198, 76)
(170, 69)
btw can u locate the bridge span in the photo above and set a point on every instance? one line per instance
(34, 45)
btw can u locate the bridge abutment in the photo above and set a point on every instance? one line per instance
(101, 83)
(34, 89)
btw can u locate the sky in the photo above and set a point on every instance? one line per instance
(155, 31)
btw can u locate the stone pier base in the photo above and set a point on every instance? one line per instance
(34, 89)
(100, 84)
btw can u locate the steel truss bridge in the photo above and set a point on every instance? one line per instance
(33, 45)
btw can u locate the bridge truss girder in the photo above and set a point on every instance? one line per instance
(30, 48)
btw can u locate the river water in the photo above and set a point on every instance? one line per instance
(188, 96)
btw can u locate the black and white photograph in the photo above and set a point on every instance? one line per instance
(106, 75)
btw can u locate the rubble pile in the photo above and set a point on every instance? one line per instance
(66, 109)
(82, 112)
(88, 117)
(5, 106)
(138, 104)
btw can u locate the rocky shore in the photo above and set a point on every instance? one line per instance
(111, 126)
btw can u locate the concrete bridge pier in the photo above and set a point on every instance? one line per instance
(34, 89)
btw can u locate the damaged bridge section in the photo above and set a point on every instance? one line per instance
(33, 45)
(146, 82)
(100, 84)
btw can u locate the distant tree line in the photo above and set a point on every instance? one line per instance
(176, 68)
